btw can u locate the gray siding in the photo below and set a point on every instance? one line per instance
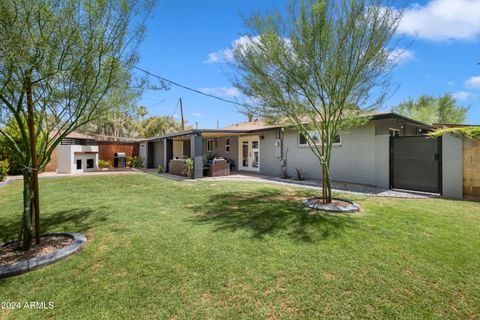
(352, 161)
(269, 164)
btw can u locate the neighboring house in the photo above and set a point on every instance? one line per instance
(360, 154)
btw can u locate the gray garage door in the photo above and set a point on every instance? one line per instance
(415, 163)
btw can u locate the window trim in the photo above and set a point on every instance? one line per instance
(306, 144)
(209, 145)
(394, 130)
(227, 145)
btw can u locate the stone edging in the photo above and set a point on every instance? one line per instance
(354, 207)
(17, 268)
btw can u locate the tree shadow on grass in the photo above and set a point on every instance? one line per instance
(72, 220)
(270, 212)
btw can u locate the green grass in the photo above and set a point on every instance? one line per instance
(160, 249)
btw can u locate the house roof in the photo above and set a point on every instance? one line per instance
(260, 125)
(96, 137)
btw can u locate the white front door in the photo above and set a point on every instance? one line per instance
(249, 153)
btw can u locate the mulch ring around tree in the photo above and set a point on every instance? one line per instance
(336, 206)
(52, 248)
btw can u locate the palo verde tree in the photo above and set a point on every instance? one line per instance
(428, 109)
(59, 59)
(318, 68)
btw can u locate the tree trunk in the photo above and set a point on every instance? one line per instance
(33, 154)
(326, 184)
(26, 234)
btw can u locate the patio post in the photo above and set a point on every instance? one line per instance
(196, 148)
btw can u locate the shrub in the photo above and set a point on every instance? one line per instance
(4, 167)
(188, 167)
(300, 174)
(136, 162)
(105, 164)
(160, 169)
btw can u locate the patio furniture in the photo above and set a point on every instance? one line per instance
(219, 167)
(176, 166)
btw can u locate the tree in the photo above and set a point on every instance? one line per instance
(318, 68)
(123, 115)
(428, 109)
(59, 59)
(158, 125)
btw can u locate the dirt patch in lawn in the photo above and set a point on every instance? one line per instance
(48, 244)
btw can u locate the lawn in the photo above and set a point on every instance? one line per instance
(160, 249)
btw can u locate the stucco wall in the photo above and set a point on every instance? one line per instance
(382, 161)
(68, 155)
(452, 167)
(64, 163)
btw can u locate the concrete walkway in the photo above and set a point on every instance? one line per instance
(350, 188)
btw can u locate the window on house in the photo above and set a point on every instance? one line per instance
(227, 145)
(209, 145)
(79, 164)
(317, 137)
(90, 164)
(394, 132)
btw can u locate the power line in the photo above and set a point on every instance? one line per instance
(191, 89)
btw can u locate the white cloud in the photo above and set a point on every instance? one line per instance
(473, 82)
(440, 20)
(226, 55)
(222, 91)
(401, 55)
(450, 83)
(197, 114)
(461, 95)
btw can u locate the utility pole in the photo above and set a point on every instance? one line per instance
(181, 114)
(33, 151)
(218, 124)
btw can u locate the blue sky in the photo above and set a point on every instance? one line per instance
(188, 42)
